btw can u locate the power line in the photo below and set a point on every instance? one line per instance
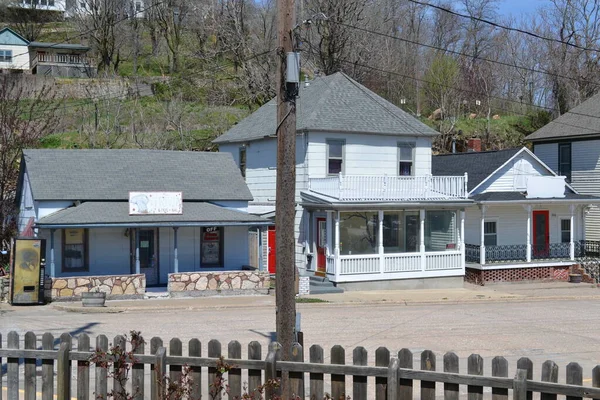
(530, 69)
(508, 28)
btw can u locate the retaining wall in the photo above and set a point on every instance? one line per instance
(213, 283)
(115, 287)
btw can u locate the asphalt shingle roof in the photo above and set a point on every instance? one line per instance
(583, 120)
(117, 213)
(479, 165)
(335, 103)
(112, 174)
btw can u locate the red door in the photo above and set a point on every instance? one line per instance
(321, 246)
(271, 260)
(541, 233)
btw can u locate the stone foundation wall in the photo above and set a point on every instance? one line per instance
(115, 287)
(211, 283)
(480, 277)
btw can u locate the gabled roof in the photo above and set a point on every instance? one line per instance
(113, 213)
(103, 175)
(580, 121)
(335, 103)
(479, 165)
(10, 37)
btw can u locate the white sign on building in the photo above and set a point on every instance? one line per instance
(155, 203)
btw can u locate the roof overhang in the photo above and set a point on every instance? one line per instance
(150, 224)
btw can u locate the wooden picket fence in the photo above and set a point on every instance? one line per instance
(394, 374)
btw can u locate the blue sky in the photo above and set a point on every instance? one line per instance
(518, 7)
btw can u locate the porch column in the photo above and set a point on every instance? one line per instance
(380, 243)
(422, 239)
(337, 246)
(461, 240)
(137, 251)
(571, 241)
(52, 265)
(528, 233)
(482, 238)
(175, 258)
(260, 248)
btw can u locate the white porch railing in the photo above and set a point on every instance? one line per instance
(364, 264)
(390, 188)
(442, 260)
(407, 262)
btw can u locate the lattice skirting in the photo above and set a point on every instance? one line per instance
(479, 277)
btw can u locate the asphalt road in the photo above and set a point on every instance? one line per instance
(558, 330)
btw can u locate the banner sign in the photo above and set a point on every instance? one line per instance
(155, 203)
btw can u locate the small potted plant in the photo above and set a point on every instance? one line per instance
(93, 298)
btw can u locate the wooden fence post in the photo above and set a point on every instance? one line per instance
(405, 360)
(214, 351)
(234, 352)
(12, 368)
(451, 364)
(137, 369)
(254, 375)
(30, 376)
(520, 385)
(101, 372)
(574, 377)
(175, 349)
(499, 368)
(195, 350)
(160, 369)
(47, 368)
(119, 370)
(83, 369)
(155, 344)
(382, 359)
(338, 382)
(475, 367)
(393, 392)
(317, 389)
(63, 372)
(549, 374)
(297, 378)
(428, 364)
(359, 382)
(526, 364)
(271, 371)
(596, 376)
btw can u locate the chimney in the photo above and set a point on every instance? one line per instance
(474, 144)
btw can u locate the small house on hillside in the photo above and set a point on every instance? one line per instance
(48, 59)
(165, 217)
(528, 223)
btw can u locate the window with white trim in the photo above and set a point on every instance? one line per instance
(490, 233)
(406, 159)
(335, 157)
(243, 161)
(565, 230)
(6, 56)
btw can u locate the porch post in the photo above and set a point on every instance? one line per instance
(175, 258)
(422, 239)
(52, 266)
(337, 246)
(571, 242)
(482, 238)
(461, 240)
(528, 233)
(380, 243)
(260, 247)
(137, 251)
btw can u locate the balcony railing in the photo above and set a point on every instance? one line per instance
(584, 249)
(390, 188)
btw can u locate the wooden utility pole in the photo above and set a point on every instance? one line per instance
(285, 204)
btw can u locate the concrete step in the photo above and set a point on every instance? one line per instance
(315, 278)
(321, 283)
(156, 295)
(325, 289)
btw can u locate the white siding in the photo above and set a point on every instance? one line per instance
(548, 153)
(20, 57)
(511, 223)
(508, 177)
(45, 208)
(366, 154)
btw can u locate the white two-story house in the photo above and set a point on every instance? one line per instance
(369, 213)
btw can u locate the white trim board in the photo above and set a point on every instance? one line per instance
(491, 267)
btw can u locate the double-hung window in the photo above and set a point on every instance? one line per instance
(490, 233)
(406, 159)
(335, 157)
(564, 160)
(565, 230)
(243, 160)
(6, 56)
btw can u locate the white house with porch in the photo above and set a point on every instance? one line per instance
(369, 212)
(95, 210)
(528, 223)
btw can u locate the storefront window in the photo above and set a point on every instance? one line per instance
(358, 233)
(401, 231)
(74, 250)
(211, 247)
(440, 230)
